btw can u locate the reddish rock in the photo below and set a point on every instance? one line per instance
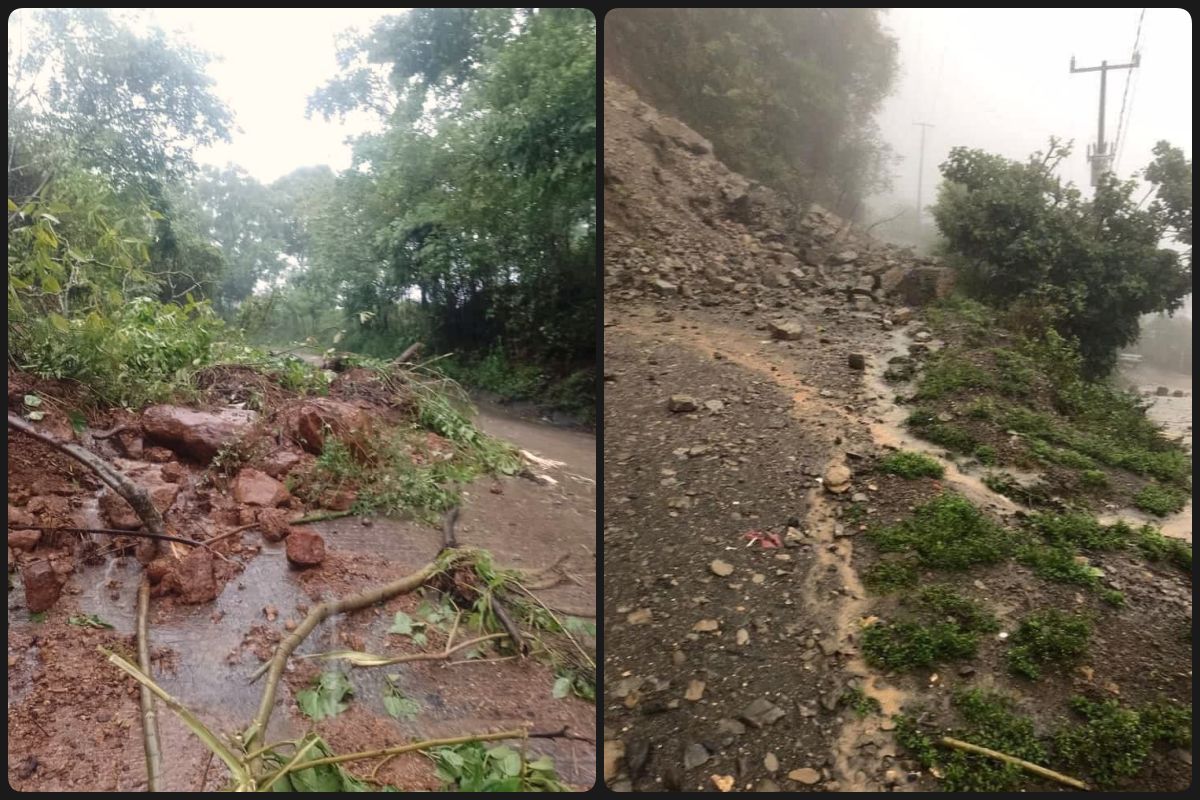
(197, 584)
(42, 586)
(174, 472)
(158, 455)
(196, 434)
(159, 568)
(19, 516)
(163, 496)
(304, 548)
(273, 523)
(339, 501)
(307, 424)
(50, 509)
(256, 488)
(23, 540)
(117, 513)
(281, 462)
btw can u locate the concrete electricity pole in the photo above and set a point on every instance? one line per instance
(1100, 155)
(921, 170)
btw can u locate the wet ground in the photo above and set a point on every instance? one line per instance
(74, 725)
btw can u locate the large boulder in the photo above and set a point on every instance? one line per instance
(309, 423)
(196, 582)
(922, 285)
(198, 435)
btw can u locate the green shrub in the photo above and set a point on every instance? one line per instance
(908, 645)
(889, 576)
(949, 605)
(1047, 637)
(1160, 500)
(1156, 547)
(1114, 742)
(910, 465)
(1077, 529)
(948, 532)
(1093, 479)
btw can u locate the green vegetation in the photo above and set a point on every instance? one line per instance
(945, 603)
(472, 767)
(326, 697)
(948, 435)
(949, 533)
(130, 267)
(948, 373)
(1055, 262)
(1160, 500)
(889, 576)
(806, 127)
(904, 646)
(859, 702)
(1156, 547)
(1114, 742)
(1047, 637)
(991, 722)
(911, 465)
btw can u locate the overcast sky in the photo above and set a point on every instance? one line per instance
(271, 60)
(999, 79)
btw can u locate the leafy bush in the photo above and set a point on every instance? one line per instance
(474, 768)
(1160, 500)
(948, 532)
(946, 603)
(1115, 742)
(908, 645)
(888, 576)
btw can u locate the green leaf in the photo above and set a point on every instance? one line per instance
(507, 759)
(59, 322)
(50, 284)
(37, 616)
(88, 621)
(12, 206)
(562, 688)
(78, 421)
(36, 416)
(326, 696)
(32, 400)
(402, 624)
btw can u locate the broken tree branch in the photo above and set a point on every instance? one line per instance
(958, 744)
(136, 496)
(315, 617)
(149, 717)
(448, 540)
(409, 354)
(519, 733)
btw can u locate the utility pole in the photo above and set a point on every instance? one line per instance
(921, 170)
(1100, 155)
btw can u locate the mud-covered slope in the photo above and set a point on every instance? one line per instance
(747, 419)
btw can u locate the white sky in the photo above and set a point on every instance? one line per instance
(999, 79)
(271, 60)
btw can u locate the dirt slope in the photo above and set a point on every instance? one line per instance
(728, 658)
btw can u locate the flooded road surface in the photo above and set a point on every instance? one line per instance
(206, 655)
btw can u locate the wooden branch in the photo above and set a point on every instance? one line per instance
(514, 633)
(12, 526)
(409, 354)
(1029, 767)
(427, 744)
(315, 617)
(149, 717)
(135, 495)
(448, 540)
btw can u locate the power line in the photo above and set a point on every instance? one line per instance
(1121, 121)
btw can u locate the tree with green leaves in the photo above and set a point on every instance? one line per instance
(1091, 268)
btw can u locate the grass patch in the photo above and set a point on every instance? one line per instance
(902, 646)
(948, 373)
(1045, 638)
(1156, 547)
(1076, 529)
(950, 436)
(890, 576)
(911, 465)
(1114, 742)
(948, 532)
(1093, 479)
(991, 721)
(857, 700)
(1058, 564)
(1160, 500)
(949, 605)
(854, 513)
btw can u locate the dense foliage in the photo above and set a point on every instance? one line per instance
(1088, 268)
(467, 222)
(787, 95)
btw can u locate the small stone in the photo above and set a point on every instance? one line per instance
(721, 568)
(724, 783)
(640, 617)
(42, 586)
(731, 726)
(714, 405)
(767, 785)
(614, 754)
(743, 637)
(857, 361)
(805, 775)
(305, 548)
(761, 713)
(787, 331)
(682, 403)
(837, 478)
(694, 755)
(706, 626)
(24, 540)
(694, 691)
(771, 762)
(887, 724)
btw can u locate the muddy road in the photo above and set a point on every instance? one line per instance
(73, 722)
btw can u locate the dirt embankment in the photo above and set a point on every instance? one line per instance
(73, 719)
(745, 415)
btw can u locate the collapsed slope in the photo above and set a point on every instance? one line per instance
(758, 499)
